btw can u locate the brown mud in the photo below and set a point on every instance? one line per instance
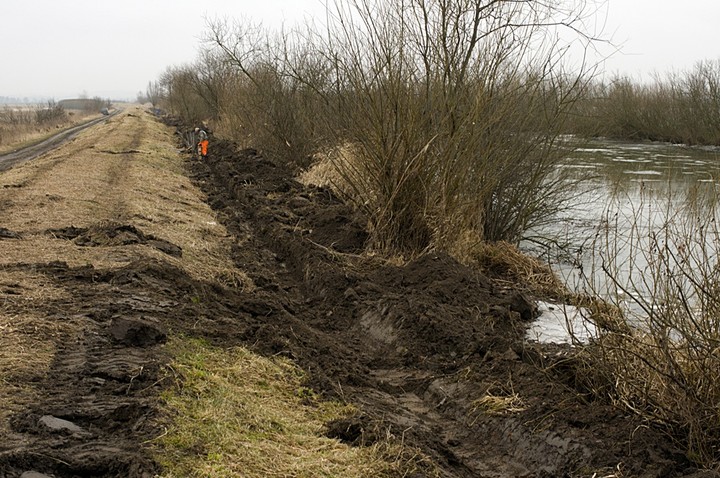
(415, 347)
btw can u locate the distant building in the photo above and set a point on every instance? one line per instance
(84, 104)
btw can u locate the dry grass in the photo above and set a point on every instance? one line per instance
(506, 264)
(27, 338)
(499, 404)
(325, 170)
(236, 414)
(125, 171)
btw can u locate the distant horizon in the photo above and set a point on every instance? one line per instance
(38, 99)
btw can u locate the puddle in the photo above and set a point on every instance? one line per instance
(561, 324)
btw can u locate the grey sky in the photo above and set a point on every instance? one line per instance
(112, 48)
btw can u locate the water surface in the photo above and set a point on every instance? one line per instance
(638, 201)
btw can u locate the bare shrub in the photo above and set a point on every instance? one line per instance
(662, 361)
(678, 108)
(450, 109)
(453, 124)
(54, 112)
(16, 116)
(277, 96)
(19, 124)
(181, 93)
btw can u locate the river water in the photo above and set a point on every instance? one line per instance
(637, 204)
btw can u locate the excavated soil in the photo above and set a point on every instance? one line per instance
(416, 347)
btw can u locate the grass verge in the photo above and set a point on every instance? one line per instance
(234, 413)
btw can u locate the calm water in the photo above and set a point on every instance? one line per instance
(639, 200)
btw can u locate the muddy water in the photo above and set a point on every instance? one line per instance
(631, 193)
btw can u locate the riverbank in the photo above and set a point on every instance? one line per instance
(430, 351)
(131, 275)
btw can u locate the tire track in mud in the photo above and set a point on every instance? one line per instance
(95, 402)
(414, 346)
(97, 408)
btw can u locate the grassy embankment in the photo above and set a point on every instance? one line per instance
(86, 182)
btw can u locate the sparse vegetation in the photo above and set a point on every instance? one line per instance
(238, 414)
(19, 123)
(678, 108)
(27, 124)
(660, 352)
(86, 105)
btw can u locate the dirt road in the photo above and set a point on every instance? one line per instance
(109, 245)
(14, 158)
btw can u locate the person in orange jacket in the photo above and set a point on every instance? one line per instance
(202, 143)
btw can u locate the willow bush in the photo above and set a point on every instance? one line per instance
(454, 109)
(442, 116)
(679, 107)
(660, 357)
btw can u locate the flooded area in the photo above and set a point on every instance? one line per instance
(640, 203)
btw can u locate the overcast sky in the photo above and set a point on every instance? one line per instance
(112, 48)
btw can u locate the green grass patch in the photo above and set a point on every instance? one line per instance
(235, 413)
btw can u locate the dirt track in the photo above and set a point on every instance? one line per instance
(118, 269)
(20, 156)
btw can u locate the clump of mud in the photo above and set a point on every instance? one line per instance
(112, 234)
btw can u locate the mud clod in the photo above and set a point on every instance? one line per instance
(136, 332)
(58, 424)
(355, 431)
(109, 235)
(34, 474)
(8, 234)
